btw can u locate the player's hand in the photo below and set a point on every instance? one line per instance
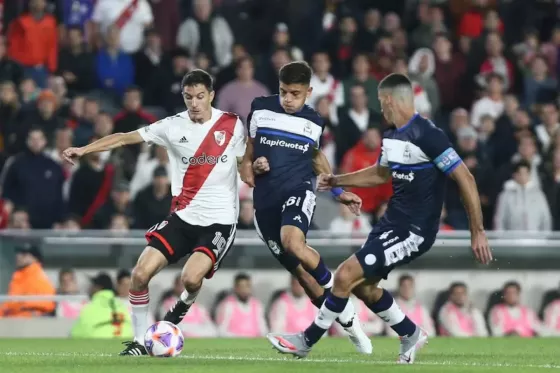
(246, 173)
(260, 166)
(71, 154)
(480, 247)
(325, 182)
(351, 200)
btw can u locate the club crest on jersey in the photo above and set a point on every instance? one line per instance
(220, 137)
(406, 153)
(307, 128)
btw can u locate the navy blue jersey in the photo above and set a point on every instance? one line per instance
(420, 156)
(288, 142)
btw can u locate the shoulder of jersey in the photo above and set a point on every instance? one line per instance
(266, 102)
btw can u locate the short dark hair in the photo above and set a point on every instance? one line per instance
(405, 277)
(297, 72)
(395, 80)
(122, 274)
(241, 277)
(196, 77)
(131, 88)
(456, 285)
(521, 164)
(513, 284)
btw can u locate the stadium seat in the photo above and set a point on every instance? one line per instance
(495, 298)
(548, 297)
(219, 298)
(440, 300)
(271, 301)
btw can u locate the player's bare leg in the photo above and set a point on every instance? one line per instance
(150, 262)
(197, 266)
(322, 277)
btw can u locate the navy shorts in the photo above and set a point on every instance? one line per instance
(297, 210)
(388, 247)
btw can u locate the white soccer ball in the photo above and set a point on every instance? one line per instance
(164, 339)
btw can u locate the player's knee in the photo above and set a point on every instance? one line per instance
(140, 278)
(191, 282)
(345, 276)
(291, 241)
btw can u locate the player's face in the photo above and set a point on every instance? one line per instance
(511, 295)
(293, 96)
(459, 296)
(198, 101)
(296, 288)
(243, 290)
(406, 290)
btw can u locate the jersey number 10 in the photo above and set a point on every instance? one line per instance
(291, 201)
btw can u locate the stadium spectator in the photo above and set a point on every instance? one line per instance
(151, 205)
(123, 285)
(352, 121)
(522, 205)
(511, 318)
(90, 188)
(130, 18)
(19, 219)
(68, 285)
(208, 33)
(369, 31)
(150, 61)
(324, 84)
(371, 323)
(76, 15)
(412, 307)
(45, 116)
(197, 322)
(550, 126)
(114, 67)
(240, 314)
(246, 214)
(551, 185)
(29, 279)
(552, 317)
(76, 63)
(148, 161)
(13, 130)
(119, 223)
(361, 76)
(118, 203)
(472, 22)
(281, 40)
(62, 141)
(496, 62)
(33, 42)
(71, 224)
(431, 23)
(364, 154)
(269, 74)
(167, 19)
(450, 68)
(292, 310)
(9, 69)
(537, 80)
(341, 42)
(421, 70)
(133, 116)
(492, 103)
(237, 95)
(348, 224)
(459, 317)
(104, 317)
(228, 73)
(32, 175)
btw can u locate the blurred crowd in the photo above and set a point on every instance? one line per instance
(72, 71)
(236, 312)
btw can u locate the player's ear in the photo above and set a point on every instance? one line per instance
(309, 91)
(212, 94)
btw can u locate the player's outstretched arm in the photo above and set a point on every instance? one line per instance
(113, 141)
(471, 200)
(364, 178)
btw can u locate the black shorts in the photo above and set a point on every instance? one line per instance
(297, 210)
(176, 239)
(388, 247)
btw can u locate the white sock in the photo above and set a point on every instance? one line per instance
(348, 313)
(140, 302)
(325, 318)
(393, 315)
(189, 298)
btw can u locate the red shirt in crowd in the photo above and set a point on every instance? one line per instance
(361, 157)
(472, 24)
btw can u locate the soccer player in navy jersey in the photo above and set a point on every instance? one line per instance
(419, 157)
(283, 145)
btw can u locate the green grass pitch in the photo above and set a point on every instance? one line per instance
(256, 355)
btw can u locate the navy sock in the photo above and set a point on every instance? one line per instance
(321, 273)
(390, 312)
(328, 313)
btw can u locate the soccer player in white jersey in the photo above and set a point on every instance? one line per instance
(419, 157)
(205, 146)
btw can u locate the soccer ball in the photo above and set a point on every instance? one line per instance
(163, 339)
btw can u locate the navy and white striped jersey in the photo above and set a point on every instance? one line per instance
(420, 157)
(287, 141)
